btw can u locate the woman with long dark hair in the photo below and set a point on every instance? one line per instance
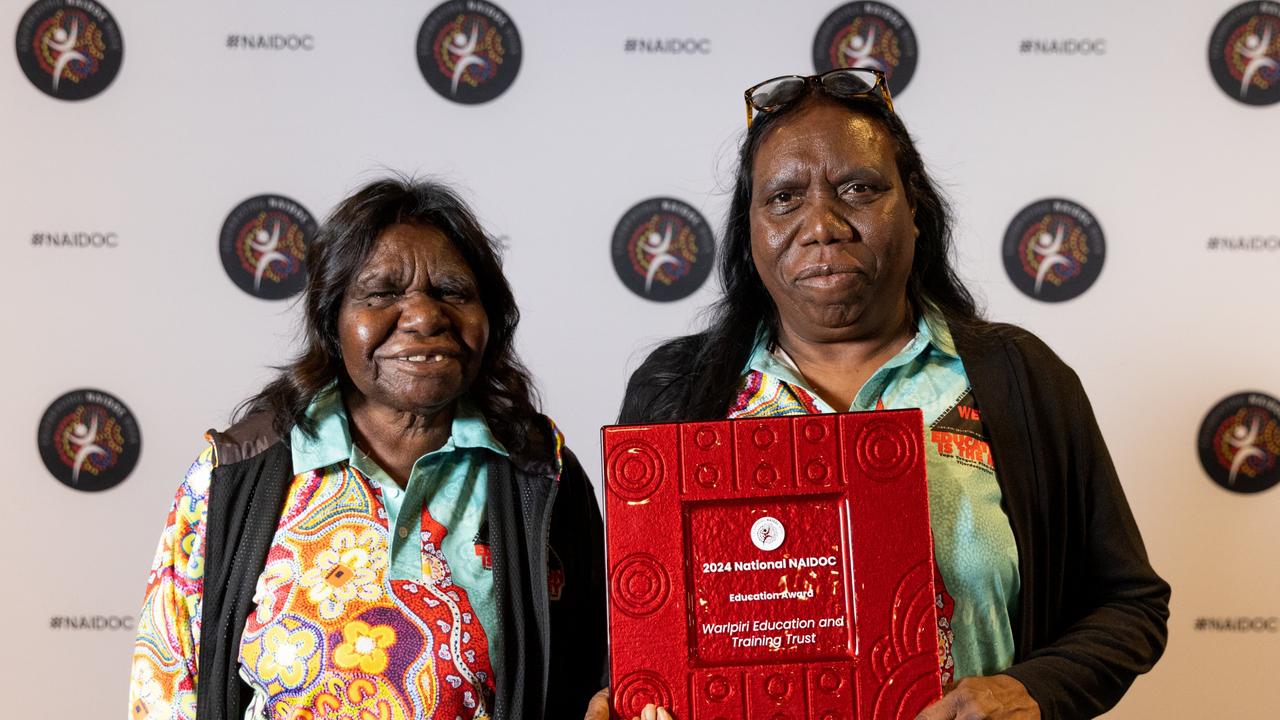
(838, 295)
(387, 529)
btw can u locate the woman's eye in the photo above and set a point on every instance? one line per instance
(782, 198)
(455, 294)
(379, 294)
(859, 190)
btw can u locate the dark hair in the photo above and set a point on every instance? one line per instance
(734, 319)
(503, 391)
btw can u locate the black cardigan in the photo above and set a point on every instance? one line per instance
(1092, 613)
(554, 652)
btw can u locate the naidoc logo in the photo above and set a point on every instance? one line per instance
(1053, 250)
(663, 249)
(1239, 442)
(89, 440)
(868, 35)
(69, 49)
(469, 51)
(768, 534)
(1244, 53)
(264, 243)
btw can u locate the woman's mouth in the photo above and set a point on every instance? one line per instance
(827, 275)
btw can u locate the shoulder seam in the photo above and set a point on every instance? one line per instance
(248, 438)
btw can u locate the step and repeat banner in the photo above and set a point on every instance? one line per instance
(1113, 168)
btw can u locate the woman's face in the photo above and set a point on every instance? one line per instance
(411, 326)
(832, 230)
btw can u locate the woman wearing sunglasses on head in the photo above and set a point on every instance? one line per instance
(839, 295)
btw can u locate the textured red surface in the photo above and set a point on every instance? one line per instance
(772, 568)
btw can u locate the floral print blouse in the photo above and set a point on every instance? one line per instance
(336, 632)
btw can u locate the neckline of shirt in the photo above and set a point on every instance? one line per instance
(932, 332)
(332, 442)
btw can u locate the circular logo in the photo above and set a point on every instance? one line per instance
(663, 249)
(1244, 53)
(469, 51)
(264, 244)
(89, 440)
(1239, 442)
(767, 534)
(69, 49)
(1053, 250)
(868, 35)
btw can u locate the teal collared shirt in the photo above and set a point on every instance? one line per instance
(975, 550)
(450, 483)
(910, 375)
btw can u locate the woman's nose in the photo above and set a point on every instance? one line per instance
(422, 313)
(822, 223)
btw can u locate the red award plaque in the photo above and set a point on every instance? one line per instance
(774, 568)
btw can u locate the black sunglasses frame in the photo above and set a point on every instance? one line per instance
(878, 88)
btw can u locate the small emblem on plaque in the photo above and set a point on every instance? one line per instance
(767, 534)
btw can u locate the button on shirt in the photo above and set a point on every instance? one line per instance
(974, 546)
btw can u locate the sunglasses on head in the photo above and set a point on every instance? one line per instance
(781, 91)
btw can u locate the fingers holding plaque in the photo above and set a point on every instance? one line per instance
(740, 553)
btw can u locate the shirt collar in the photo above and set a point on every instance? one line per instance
(931, 333)
(332, 440)
(939, 332)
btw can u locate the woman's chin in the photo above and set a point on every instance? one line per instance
(842, 321)
(416, 398)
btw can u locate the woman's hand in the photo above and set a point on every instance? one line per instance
(992, 697)
(598, 709)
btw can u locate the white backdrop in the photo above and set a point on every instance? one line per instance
(1140, 134)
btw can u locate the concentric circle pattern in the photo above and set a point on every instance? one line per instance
(640, 585)
(635, 471)
(638, 689)
(884, 450)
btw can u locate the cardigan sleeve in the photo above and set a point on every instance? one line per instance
(163, 681)
(1112, 607)
(579, 624)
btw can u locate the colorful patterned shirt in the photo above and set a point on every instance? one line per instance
(974, 548)
(373, 602)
